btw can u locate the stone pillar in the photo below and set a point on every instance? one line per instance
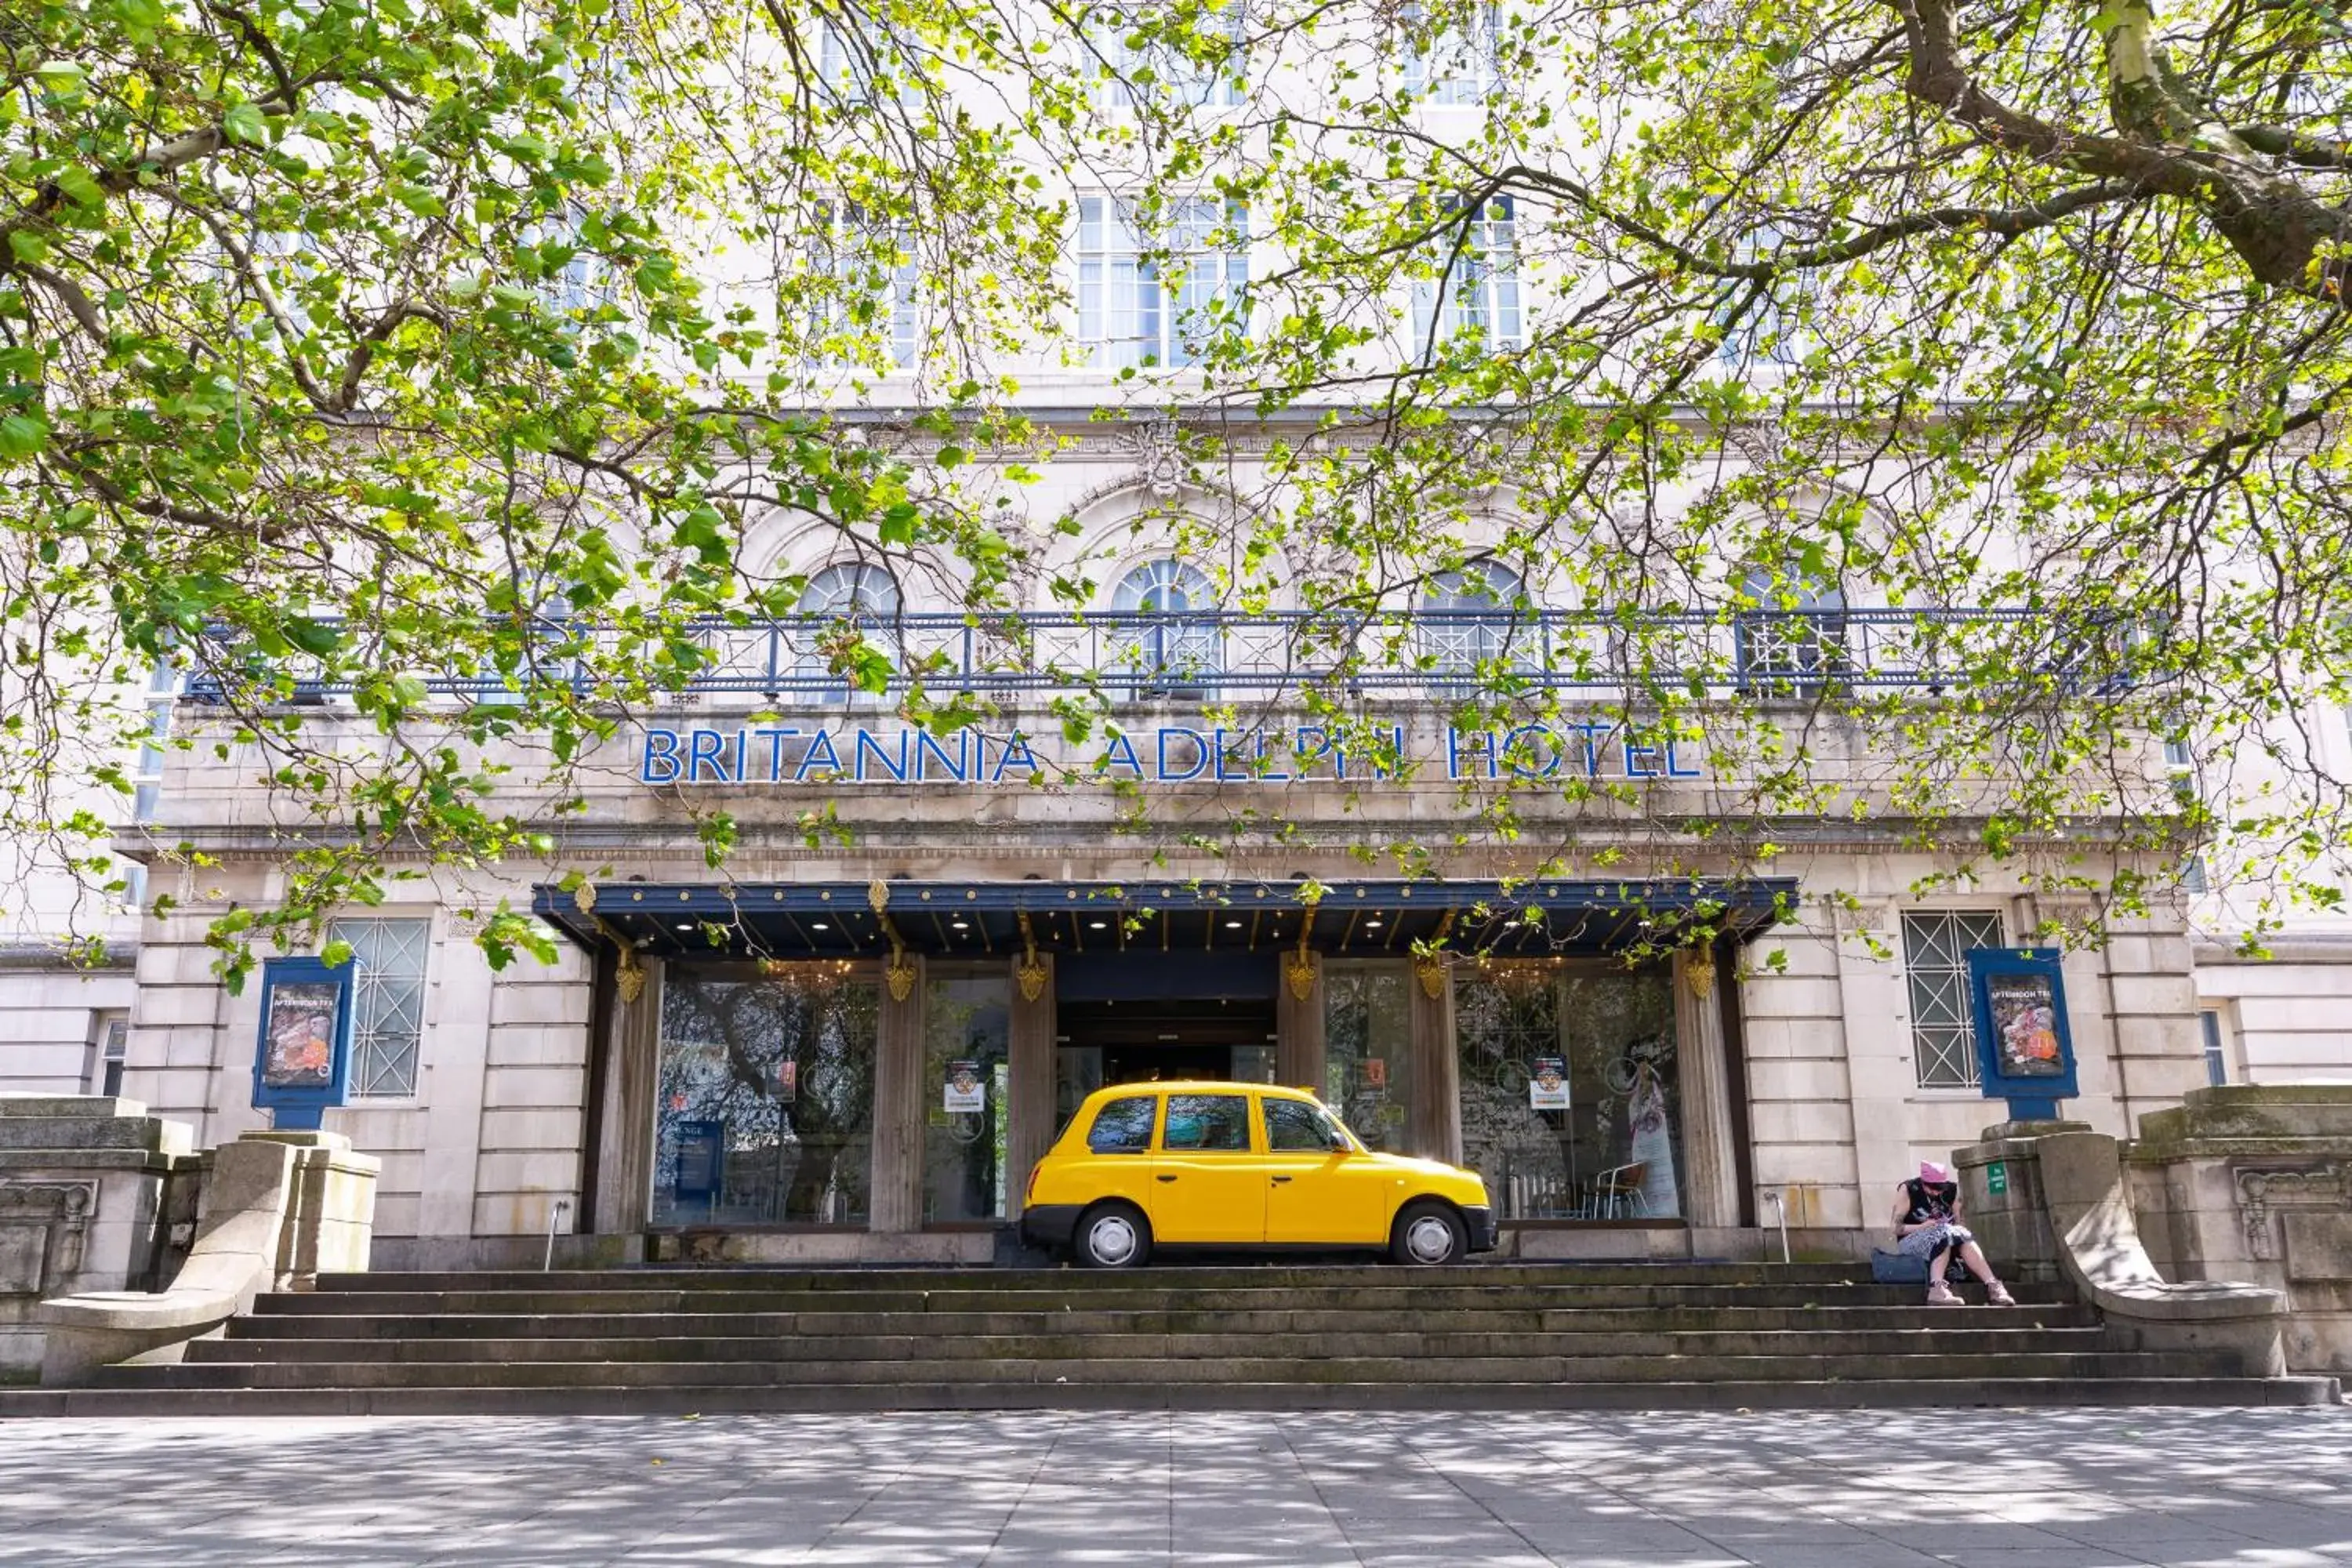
(1434, 1121)
(1298, 1029)
(625, 1150)
(897, 1202)
(329, 1208)
(1029, 1118)
(1710, 1170)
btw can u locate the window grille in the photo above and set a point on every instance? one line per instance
(1137, 310)
(1476, 615)
(387, 1004)
(1477, 291)
(1794, 638)
(1175, 659)
(856, 594)
(1936, 946)
(113, 1033)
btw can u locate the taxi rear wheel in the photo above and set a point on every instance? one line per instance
(1429, 1233)
(1112, 1235)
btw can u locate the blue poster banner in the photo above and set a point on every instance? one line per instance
(303, 1055)
(2025, 1051)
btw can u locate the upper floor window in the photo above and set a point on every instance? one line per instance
(1470, 615)
(1173, 656)
(1790, 631)
(1772, 328)
(1203, 68)
(857, 593)
(869, 288)
(1142, 303)
(1936, 948)
(1458, 65)
(1476, 289)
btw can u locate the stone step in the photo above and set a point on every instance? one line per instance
(1079, 1346)
(643, 1297)
(1401, 1370)
(1258, 1276)
(1500, 1319)
(606, 1399)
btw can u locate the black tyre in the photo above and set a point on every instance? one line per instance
(1428, 1233)
(1111, 1235)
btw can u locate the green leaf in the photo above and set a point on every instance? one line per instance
(246, 123)
(22, 436)
(28, 247)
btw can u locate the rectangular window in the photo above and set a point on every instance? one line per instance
(1207, 1123)
(1146, 300)
(1936, 947)
(1458, 66)
(967, 1037)
(1208, 72)
(866, 294)
(764, 1095)
(1367, 1055)
(2216, 1047)
(1615, 1153)
(387, 1004)
(110, 1045)
(1475, 291)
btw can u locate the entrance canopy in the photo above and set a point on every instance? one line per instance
(993, 919)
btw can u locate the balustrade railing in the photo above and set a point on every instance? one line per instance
(1184, 654)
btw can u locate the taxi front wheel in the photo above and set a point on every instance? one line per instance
(1112, 1235)
(1429, 1233)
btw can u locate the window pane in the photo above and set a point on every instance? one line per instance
(1294, 1127)
(1616, 1153)
(1366, 1066)
(966, 1022)
(387, 1004)
(1123, 1126)
(1212, 1122)
(765, 1096)
(1936, 945)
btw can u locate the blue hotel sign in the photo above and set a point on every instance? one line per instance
(780, 755)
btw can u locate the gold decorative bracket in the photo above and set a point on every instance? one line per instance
(1429, 967)
(1030, 973)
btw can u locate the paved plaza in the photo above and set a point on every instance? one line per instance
(1998, 1489)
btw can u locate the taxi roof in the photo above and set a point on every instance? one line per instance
(1205, 1086)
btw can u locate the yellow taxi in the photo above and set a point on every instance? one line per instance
(1240, 1164)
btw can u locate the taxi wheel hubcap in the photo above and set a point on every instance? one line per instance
(1111, 1240)
(1429, 1238)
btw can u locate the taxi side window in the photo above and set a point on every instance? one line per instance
(1292, 1126)
(1213, 1122)
(1122, 1126)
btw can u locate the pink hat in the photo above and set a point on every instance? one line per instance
(1932, 1173)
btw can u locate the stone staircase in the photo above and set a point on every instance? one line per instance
(1482, 1336)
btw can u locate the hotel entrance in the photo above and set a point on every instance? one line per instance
(894, 1058)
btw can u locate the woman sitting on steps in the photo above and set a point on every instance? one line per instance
(1926, 1224)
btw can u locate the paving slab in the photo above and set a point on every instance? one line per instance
(1889, 1488)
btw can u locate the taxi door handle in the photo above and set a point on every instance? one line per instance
(1165, 1177)
(1279, 1180)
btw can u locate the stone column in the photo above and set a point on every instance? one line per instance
(1298, 1029)
(625, 1148)
(1434, 1119)
(1029, 1118)
(1710, 1179)
(898, 1104)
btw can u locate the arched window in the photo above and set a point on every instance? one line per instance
(1795, 634)
(1472, 616)
(858, 593)
(1172, 657)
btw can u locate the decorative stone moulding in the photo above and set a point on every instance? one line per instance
(43, 1228)
(2264, 1191)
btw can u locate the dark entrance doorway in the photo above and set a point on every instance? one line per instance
(1143, 1040)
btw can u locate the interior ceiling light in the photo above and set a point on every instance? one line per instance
(1094, 925)
(1232, 925)
(819, 925)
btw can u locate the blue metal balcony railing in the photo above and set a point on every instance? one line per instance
(1148, 655)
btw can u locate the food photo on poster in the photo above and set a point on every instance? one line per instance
(301, 1035)
(2025, 1024)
